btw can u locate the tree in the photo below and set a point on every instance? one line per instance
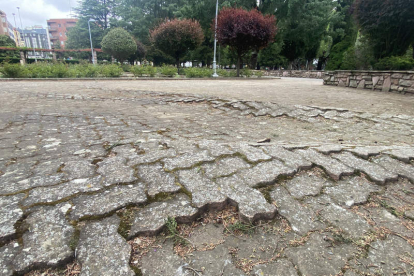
(139, 54)
(119, 43)
(6, 41)
(388, 24)
(100, 10)
(78, 36)
(177, 37)
(244, 31)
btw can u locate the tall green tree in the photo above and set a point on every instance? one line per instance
(78, 36)
(100, 10)
(388, 24)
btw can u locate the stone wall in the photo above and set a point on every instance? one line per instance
(385, 81)
(294, 74)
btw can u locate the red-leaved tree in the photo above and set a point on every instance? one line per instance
(244, 31)
(177, 37)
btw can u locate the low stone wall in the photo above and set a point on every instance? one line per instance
(294, 74)
(385, 81)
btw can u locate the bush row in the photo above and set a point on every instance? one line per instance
(60, 70)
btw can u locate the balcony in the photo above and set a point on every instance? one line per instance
(53, 29)
(52, 37)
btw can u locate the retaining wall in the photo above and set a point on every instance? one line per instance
(385, 81)
(295, 74)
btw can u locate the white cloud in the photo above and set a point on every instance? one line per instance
(36, 12)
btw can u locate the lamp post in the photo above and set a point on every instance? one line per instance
(90, 38)
(18, 11)
(215, 45)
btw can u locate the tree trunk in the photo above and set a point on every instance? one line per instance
(413, 50)
(178, 65)
(238, 65)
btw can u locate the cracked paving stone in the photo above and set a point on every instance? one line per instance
(224, 167)
(374, 171)
(395, 166)
(328, 149)
(301, 218)
(102, 251)
(7, 255)
(333, 167)
(253, 154)
(157, 179)
(62, 191)
(409, 214)
(107, 201)
(404, 154)
(207, 235)
(151, 156)
(318, 257)
(251, 203)
(383, 218)
(367, 151)
(215, 148)
(399, 195)
(10, 213)
(33, 182)
(47, 242)
(152, 219)
(115, 171)
(290, 158)
(281, 267)
(385, 257)
(352, 225)
(351, 191)
(265, 173)
(204, 191)
(186, 160)
(306, 185)
(78, 169)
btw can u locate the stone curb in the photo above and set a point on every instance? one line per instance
(131, 79)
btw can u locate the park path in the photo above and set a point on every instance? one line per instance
(260, 180)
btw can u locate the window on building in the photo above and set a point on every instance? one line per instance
(3, 20)
(62, 43)
(59, 26)
(60, 34)
(5, 30)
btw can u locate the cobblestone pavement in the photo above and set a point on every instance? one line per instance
(95, 176)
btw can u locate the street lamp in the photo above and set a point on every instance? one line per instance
(90, 38)
(215, 45)
(18, 11)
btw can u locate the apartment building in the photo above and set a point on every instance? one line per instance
(36, 37)
(58, 29)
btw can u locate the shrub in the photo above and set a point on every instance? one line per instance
(227, 73)
(150, 70)
(84, 71)
(111, 71)
(168, 70)
(395, 63)
(126, 67)
(258, 74)
(246, 72)
(119, 43)
(13, 71)
(198, 72)
(138, 71)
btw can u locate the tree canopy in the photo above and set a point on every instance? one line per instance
(119, 43)
(244, 31)
(177, 37)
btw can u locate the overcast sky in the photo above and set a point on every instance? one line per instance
(36, 12)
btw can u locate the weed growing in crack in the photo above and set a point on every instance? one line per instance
(245, 228)
(173, 233)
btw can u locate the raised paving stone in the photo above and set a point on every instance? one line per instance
(328, 149)
(301, 218)
(375, 172)
(306, 185)
(215, 149)
(265, 173)
(251, 203)
(281, 267)
(78, 169)
(367, 151)
(333, 167)
(157, 179)
(224, 167)
(47, 242)
(186, 160)
(32, 182)
(7, 255)
(404, 154)
(152, 218)
(317, 257)
(290, 158)
(102, 251)
(10, 213)
(115, 171)
(62, 191)
(204, 192)
(107, 201)
(151, 156)
(385, 257)
(253, 154)
(351, 191)
(395, 166)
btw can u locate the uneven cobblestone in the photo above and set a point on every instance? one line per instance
(304, 181)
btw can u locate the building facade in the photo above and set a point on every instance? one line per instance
(37, 37)
(58, 29)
